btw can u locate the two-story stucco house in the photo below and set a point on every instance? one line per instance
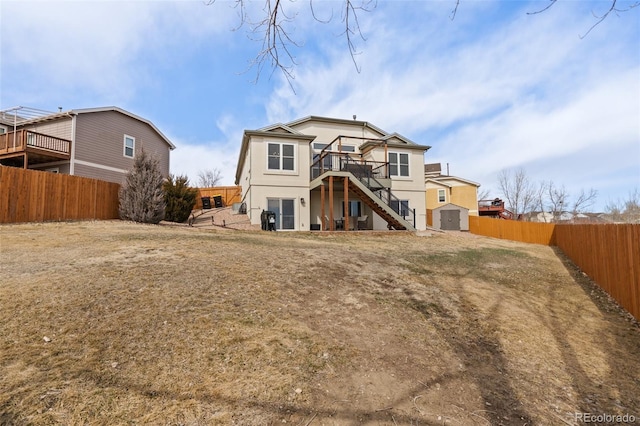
(326, 173)
(98, 143)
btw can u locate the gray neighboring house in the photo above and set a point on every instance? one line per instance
(98, 143)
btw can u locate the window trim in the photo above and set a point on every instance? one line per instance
(281, 156)
(399, 164)
(124, 146)
(444, 195)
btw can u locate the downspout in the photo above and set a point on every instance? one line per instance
(72, 164)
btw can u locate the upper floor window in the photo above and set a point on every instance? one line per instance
(442, 196)
(398, 164)
(281, 156)
(129, 146)
(3, 130)
(320, 146)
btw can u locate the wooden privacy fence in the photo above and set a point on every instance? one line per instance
(230, 195)
(526, 232)
(608, 253)
(35, 196)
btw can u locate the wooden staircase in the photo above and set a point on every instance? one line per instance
(367, 196)
(394, 221)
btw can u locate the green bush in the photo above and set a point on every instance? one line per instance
(180, 198)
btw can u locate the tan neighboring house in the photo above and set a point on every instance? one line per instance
(325, 173)
(98, 143)
(443, 189)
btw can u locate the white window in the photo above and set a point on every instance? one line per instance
(398, 164)
(3, 130)
(355, 208)
(281, 156)
(284, 208)
(129, 146)
(401, 207)
(442, 195)
(319, 146)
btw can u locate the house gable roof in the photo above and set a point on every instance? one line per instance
(24, 116)
(440, 180)
(280, 131)
(127, 113)
(279, 128)
(342, 121)
(449, 205)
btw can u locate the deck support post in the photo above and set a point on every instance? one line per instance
(332, 224)
(323, 217)
(346, 203)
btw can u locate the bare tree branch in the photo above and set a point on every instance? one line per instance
(209, 178)
(277, 42)
(558, 199)
(584, 200)
(612, 9)
(452, 16)
(350, 10)
(273, 29)
(517, 190)
(544, 8)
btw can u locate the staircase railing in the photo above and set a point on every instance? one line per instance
(368, 172)
(399, 206)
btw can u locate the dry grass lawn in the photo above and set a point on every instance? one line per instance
(107, 323)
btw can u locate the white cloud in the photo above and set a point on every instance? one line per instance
(97, 47)
(525, 92)
(189, 159)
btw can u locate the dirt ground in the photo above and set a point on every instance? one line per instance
(118, 323)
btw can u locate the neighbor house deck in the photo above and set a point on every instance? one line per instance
(25, 147)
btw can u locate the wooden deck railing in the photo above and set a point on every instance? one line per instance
(20, 140)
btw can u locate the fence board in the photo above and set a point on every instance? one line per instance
(526, 232)
(36, 196)
(230, 195)
(608, 253)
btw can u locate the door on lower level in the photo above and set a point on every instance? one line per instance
(284, 208)
(450, 220)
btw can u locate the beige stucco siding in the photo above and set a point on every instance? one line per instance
(100, 140)
(327, 132)
(260, 194)
(258, 161)
(259, 183)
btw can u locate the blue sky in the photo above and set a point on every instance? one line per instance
(493, 89)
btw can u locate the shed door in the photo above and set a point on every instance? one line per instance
(450, 220)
